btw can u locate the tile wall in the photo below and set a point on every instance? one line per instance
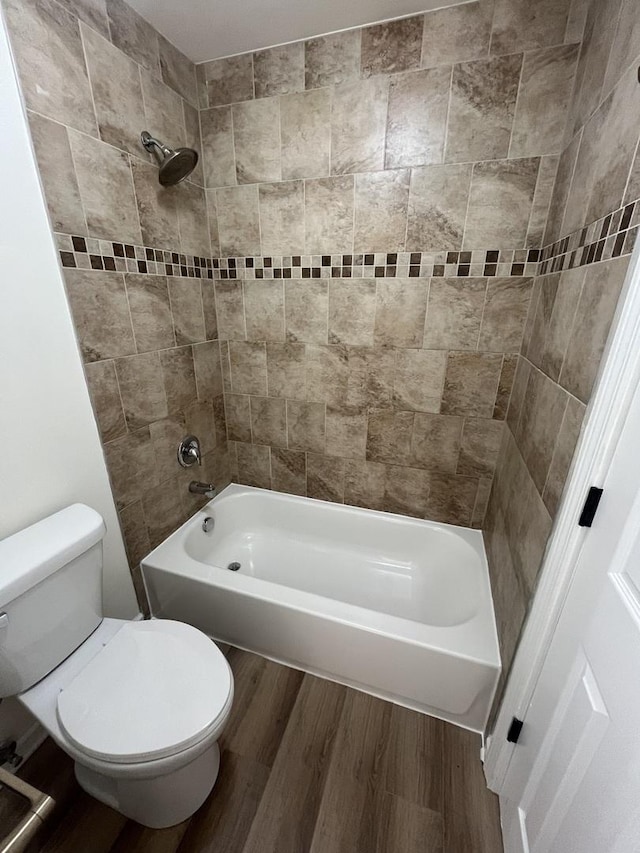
(591, 229)
(93, 76)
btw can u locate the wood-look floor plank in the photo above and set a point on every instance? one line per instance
(224, 821)
(265, 693)
(135, 838)
(286, 818)
(471, 810)
(414, 758)
(88, 826)
(404, 827)
(354, 779)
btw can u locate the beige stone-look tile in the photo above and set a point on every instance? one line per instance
(352, 311)
(163, 112)
(193, 139)
(505, 314)
(254, 465)
(282, 217)
(217, 147)
(229, 80)
(133, 35)
(457, 34)
(150, 311)
(471, 384)
(329, 215)
(381, 200)
(541, 201)
(279, 70)
(626, 45)
(521, 25)
(264, 310)
(230, 311)
(136, 537)
(248, 367)
(186, 306)
(117, 93)
(332, 59)
(560, 193)
(57, 174)
(212, 216)
(206, 362)
(483, 102)
(364, 483)
(482, 501)
(106, 189)
(437, 207)
(141, 389)
(419, 379)
(164, 510)
(268, 421)
(327, 374)
(358, 125)
(545, 90)
(105, 396)
(286, 371)
(590, 330)
(563, 310)
(389, 437)
(92, 12)
(306, 310)
(406, 491)
(305, 132)
(305, 426)
(520, 382)
(454, 313)
(500, 203)
(238, 417)
(401, 306)
(543, 409)
(563, 455)
(435, 442)
(166, 435)
(451, 498)
(200, 419)
(371, 377)
(100, 313)
(256, 137)
(325, 477)
(179, 377)
(576, 21)
(392, 46)
(156, 207)
(346, 433)
(481, 440)
(192, 219)
(177, 70)
(238, 220)
(417, 117)
(131, 464)
(505, 386)
(46, 43)
(289, 471)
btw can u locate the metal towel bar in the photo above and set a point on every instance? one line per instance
(41, 807)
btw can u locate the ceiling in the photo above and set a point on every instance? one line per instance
(209, 29)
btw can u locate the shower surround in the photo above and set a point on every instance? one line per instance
(359, 295)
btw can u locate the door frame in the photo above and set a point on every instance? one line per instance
(618, 378)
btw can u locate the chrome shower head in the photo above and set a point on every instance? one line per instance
(176, 164)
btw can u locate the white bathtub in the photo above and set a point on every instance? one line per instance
(398, 607)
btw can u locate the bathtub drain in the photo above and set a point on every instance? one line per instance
(233, 567)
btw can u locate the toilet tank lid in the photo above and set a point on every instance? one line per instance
(30, 555)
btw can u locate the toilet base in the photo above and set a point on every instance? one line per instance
(160, 801)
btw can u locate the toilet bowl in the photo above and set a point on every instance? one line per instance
(138, 705)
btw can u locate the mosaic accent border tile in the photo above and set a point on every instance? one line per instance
(608, 237)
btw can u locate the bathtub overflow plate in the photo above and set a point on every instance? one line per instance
(233, 567)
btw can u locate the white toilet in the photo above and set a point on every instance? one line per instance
(139, 706)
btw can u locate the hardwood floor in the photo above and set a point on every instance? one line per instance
(308, 766)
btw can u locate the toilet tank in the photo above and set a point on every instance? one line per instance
(50, 594)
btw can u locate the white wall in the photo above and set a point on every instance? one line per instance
(50, 452)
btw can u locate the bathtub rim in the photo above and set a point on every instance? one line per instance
(455, 640)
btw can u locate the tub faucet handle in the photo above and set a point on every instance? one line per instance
(189, 451)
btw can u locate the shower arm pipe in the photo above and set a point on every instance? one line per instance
(150, 142)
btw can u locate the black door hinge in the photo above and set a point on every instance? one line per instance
(590, 507)
(514, 730)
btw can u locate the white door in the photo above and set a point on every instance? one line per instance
(573, 784)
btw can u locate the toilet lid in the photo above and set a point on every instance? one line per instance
(155, 689)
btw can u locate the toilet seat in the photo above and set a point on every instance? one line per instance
(155, 689)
